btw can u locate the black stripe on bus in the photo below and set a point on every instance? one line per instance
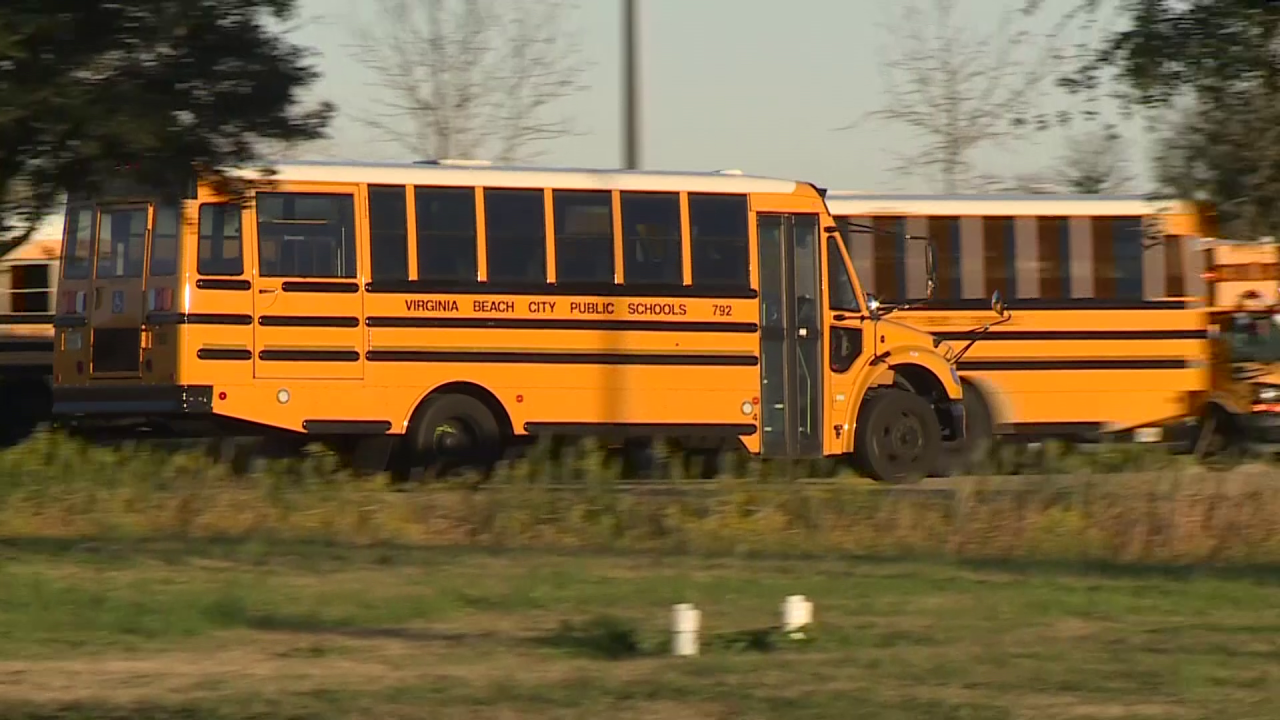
(1016, 304)
(545, 358)
(15, 346)
(177, 318)
(561, 324)
(24, 371)
(26, 318)
(1071, 364)
(70, 321)
(347, 427)
(1079, 335)
(419, 287)
(615, 430)
(309, 355)
(222, 284)
(308, 321)
(224, 354)
(316, 286)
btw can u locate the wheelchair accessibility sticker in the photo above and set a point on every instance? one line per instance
(117, 302)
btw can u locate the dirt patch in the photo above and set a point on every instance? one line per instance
(264, 662)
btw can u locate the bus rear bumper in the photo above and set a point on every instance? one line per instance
(134, 401)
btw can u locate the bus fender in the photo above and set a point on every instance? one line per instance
(1228, 402)
(927, 358)
(915, 365)
(479, 392)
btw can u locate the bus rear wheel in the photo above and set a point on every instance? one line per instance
(898, 437)
(447, 432)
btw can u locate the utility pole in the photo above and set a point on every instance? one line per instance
(630, 86)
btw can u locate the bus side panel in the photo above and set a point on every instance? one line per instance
(1116, 369)
(216, 337)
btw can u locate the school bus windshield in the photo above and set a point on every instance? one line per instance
(1254, 337)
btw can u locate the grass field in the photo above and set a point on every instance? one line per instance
(198, 630)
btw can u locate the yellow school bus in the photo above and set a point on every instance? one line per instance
(445, 308)
(1110, 334)
(28, 276)
(1235, 270)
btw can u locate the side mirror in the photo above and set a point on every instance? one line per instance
(873, 304)
(930, 271)
(997, 304)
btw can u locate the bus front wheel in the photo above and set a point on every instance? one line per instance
(898, 437)
(449, 431)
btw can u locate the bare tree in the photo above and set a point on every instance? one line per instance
(478, 79)
(1095, 163)
(960, 90)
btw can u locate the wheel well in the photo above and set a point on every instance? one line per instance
(919, 380)
(1215, 407)
(922, 381)
(486, 398)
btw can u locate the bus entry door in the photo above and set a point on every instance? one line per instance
(790, 336)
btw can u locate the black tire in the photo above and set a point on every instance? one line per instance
(898, 438)
(449, 431)
(1221, 444)
(975, 449)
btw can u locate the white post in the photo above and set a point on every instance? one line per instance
(686, 622)
(797, 614)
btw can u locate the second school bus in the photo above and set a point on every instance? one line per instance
(1111, 332)
(457, 306)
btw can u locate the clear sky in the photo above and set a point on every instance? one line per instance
(759, 85)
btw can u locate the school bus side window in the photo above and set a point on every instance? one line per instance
(651, 239)
(839, 284)
(516, 236)
(388, 233)
(720, 241)
(77, 262)
(584, 236)
(220, 245)
(446, 233)
(309, 235)
(122, 238)
(164, 242)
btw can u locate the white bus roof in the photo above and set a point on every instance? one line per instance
(470, 175)
(848, 202)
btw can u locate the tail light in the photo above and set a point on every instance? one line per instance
(71, 302)
(160, 299)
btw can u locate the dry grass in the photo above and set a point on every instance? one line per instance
(53, 488)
